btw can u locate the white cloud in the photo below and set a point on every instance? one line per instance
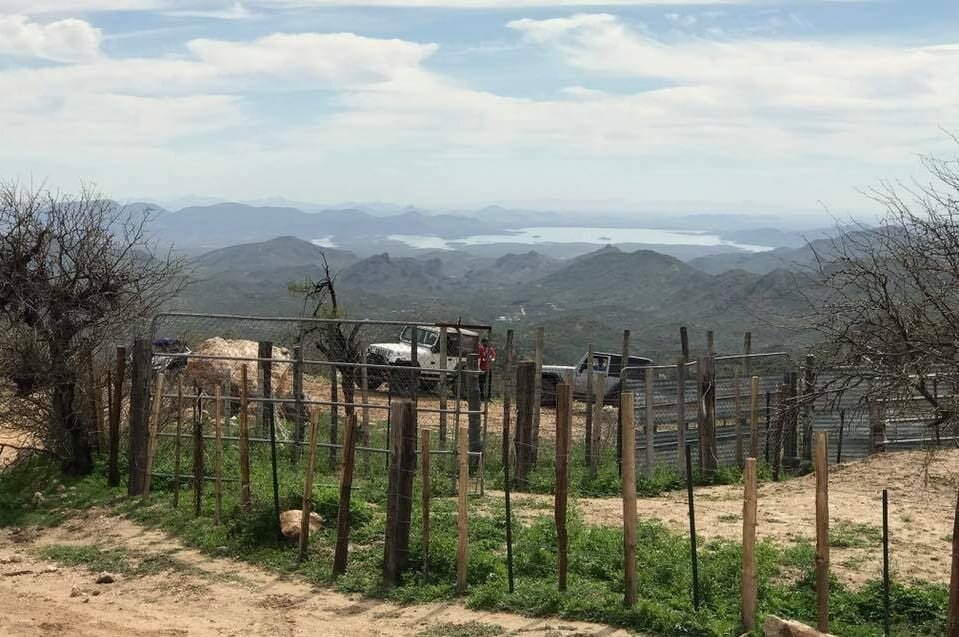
(496, 4)
(842, 81)
(236, 11)
(340, 58)
(34, 7)
(704, 105)
(67, 40)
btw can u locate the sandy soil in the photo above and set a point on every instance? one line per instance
(214, 597)
(9, 436)
(922, 503)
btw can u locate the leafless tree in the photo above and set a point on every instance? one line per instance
(74, 269)
(338, 342)
(886, 298)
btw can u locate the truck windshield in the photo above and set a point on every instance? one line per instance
(423, 337)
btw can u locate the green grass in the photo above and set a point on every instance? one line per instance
(466, 629)
(596, 554)
(854, 535)
(95, 558)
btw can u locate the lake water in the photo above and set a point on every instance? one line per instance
(579, 234)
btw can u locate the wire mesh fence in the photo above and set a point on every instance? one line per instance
(762, 405)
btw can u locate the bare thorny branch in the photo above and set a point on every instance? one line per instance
(885, 300)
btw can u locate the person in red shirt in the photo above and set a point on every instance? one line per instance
(487, 354)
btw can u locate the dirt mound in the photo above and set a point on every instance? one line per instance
(209, 373)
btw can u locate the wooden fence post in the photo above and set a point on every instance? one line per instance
(425, 468)
(218, 452)
(244, 442)
(624, 361)
(738, 418)
(139, 415)
(364, 436)
(268, 415)
(808, 391)
(749, 582)
(626, 407)
(681, 416)
(588, 437)
(400, 502)
(153, 431)
(599, 380)
(299, 420)
(198, 469)
(791, 436)
(307, 505)
(176, 443)
(777, 453)
(526, 409)
(537, 395)
(462, 516)
(508, 384)
(473, 404)
(822, 533)
(650, 427)
(443, 389)
(334, 416)
(754, 417)
(113, 472)
(564, 417)
(346, 491)
(952, 623)
(708, 448)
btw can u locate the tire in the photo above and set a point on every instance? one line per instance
(374, 380)
(548, 392)
(400, 379)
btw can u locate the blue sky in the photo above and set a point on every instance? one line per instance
(633, 105)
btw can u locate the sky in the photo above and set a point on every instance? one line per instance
(630, 105)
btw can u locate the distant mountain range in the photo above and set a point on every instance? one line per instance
(590, 298)
(370, 229)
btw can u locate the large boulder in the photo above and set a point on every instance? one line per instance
(209, 373)
(290, 523)
(778, 627)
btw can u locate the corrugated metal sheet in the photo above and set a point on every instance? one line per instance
(846, 416)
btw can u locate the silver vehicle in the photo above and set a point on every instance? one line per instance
(606, 368)
(459, 343)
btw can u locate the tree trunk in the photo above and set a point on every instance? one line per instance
(348, 376)
(77, 456)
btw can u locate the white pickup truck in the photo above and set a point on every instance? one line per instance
(459, 343)
(606, 366)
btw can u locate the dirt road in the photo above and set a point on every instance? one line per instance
(207, 597)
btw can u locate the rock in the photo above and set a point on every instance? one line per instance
(61, 488)
(106, 578)
(777, 627)
(48, 569)
(76, 591)
(38, 498)
(290, 523)
(13, 559)
(95, 592)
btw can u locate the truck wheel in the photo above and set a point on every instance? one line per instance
(401, 380)
(374, 379)
(548, 394)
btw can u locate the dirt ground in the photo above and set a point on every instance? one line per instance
(922, 504)
(213, 597)
(318, 388)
